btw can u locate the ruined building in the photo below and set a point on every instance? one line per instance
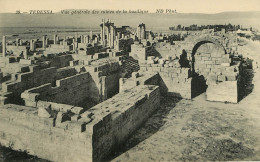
(78, 98)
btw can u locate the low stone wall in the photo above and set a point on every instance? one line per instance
(223, 91)
(176, 81)
(61, 132)
(71, 90)
(22, 129)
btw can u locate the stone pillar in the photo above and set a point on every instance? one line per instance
(81, 39)
(107, 29)
(25, 54)
(73, 47)
(118, 35)
(64, 43)
(20, 42)
(54, 38)
(32, 45)
(76, 37)
(57, 39)
(91, 35)
(4, 46)
(47, 41)
(87, 39)
(114, 32)
(103, 31)
(143, 32)
(138, 32)
(17, 41)
(111, 36)
(43, 42)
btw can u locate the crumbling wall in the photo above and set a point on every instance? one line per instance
(25, 81)
(72, 90)
(6, 60)
(22, 129)
(61, 61)
(67, 133)
(16, 50)
(174, 80)
(35, 77)
(118, 125)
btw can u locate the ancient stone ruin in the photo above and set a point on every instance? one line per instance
(80, 97)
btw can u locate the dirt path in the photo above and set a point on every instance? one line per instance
(200, 130)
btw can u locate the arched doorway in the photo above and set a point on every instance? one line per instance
(207, 57)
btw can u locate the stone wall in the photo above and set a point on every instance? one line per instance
(16, 50)
(27, 80)
(71, 90)
(66, 133)
(75, 84)
(175, 80)
(223, 92)
(8, 59)
(22, 129)
(31, 76)
(4, 78)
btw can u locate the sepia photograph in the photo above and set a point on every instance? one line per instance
(129, 81)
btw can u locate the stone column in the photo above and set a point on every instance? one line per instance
(118, 35)
(57, 39)
(111, 36)
(47, 41)
(54, 38)
(103, 31)
(25, 54)
(73, 47)
(64, 43)
(43, 42)
(87, 39)
(4, 46)
(143, 32)
(17, 41)
(91, 35)
(20, 42)
(76, 37)
(81, 39)
(138, 32)
(107, 29)
(31, 45)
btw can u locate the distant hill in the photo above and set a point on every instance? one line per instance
(152, 20)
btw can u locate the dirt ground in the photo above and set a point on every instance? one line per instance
(194, 130)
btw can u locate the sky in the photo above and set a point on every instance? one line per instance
(181, 6)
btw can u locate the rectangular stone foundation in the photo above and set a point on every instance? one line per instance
(93, 137)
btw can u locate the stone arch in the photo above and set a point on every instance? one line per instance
(200, 41)
(199, 84)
